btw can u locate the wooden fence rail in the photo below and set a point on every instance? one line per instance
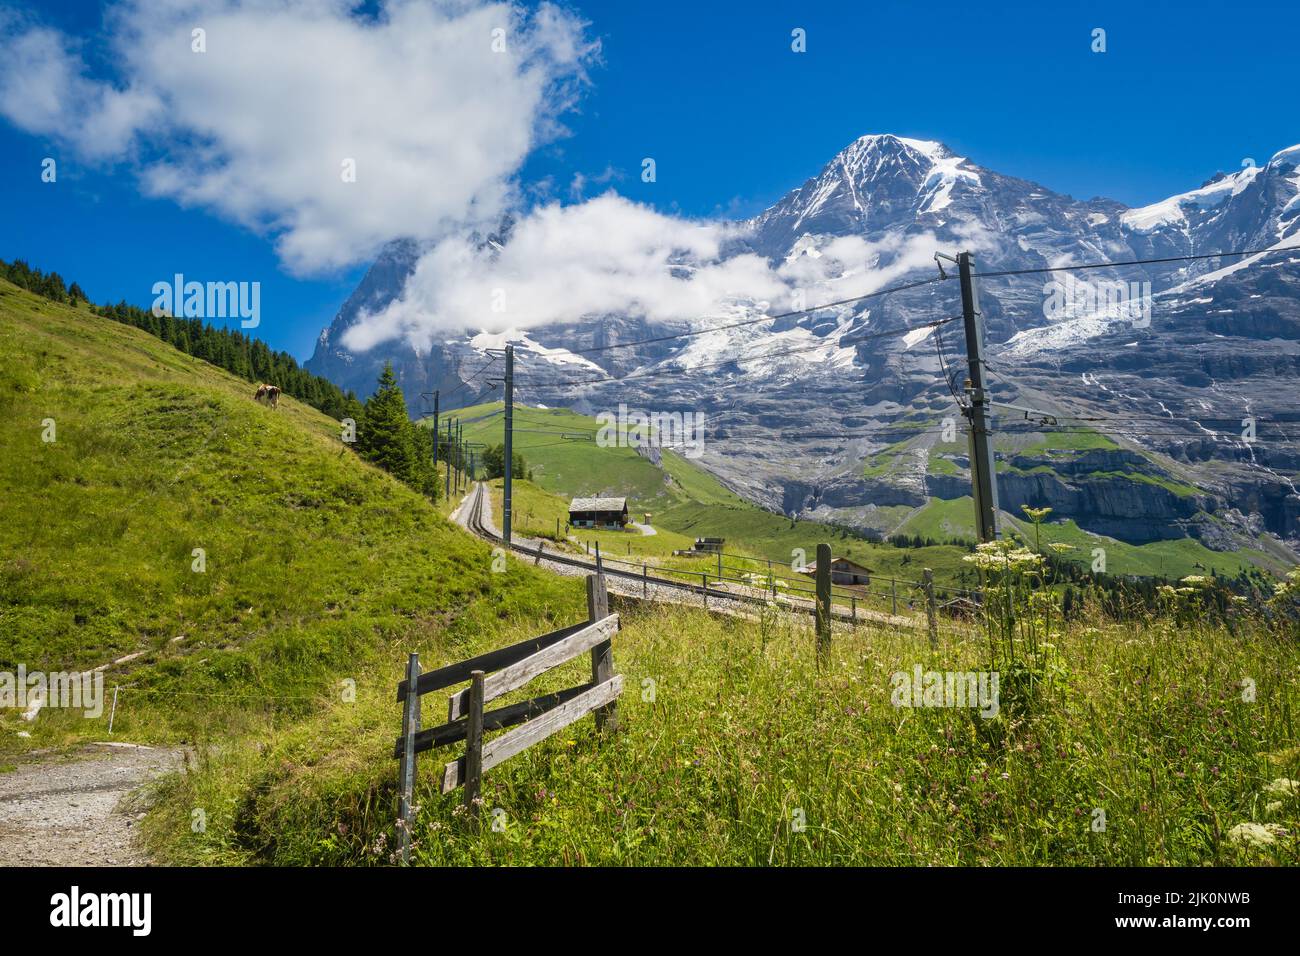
(493, 675)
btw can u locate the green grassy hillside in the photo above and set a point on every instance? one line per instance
(685, 501)
(316, 566)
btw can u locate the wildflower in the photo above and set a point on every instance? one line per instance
(1288, 588)
(1035, 514)
(1061, 547)
(1003, 556)
(1283, 787)
(1255, 834)
(1197, 580)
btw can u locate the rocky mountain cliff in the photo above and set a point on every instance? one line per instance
(1174, 362)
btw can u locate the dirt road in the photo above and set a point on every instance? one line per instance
(66, 809)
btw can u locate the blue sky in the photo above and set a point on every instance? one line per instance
(734, 118)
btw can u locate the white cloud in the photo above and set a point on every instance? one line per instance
(44, 90)
(610, 255)
(257, 128)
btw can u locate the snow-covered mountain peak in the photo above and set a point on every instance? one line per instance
(1290, 155)
(1174, 210)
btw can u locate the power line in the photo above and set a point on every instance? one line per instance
(761, 318)
(482, 368)
(656, 372)
(943, 367)
(846, 342)
(475, 400)
(1134, 262)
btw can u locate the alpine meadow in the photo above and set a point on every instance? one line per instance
(460, 435)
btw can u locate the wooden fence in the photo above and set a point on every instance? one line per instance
(492, 675)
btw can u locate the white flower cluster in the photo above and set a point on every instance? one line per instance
(1004, 555)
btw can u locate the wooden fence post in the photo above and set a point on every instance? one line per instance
(853, 604)
(600, 568)
(645, 581)
(602, 655)
(893, 594)
(410, 725)
(823, 599)
(704, 578)
(540, 545)
(931, 612)
(474, 742)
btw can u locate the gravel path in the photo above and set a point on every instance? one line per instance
(67, 809)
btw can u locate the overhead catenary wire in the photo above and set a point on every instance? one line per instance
(843, 342)
(481, 369)
(690, 333)
(754, 321)
(1133, 262)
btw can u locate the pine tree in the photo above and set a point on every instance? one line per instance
(384, 431)
(494, 463)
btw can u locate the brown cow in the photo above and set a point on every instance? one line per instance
(271, 393)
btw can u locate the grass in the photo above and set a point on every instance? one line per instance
(566, 465)
(883, 462)
(538, 513)
(941, 519)
(316, 567)
(731, 737)
(1081, 440)
(1172, 559)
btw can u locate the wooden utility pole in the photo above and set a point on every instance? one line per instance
(823, 600)
(509, 443)
(984, 483)
(602, 655)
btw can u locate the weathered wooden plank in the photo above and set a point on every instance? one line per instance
(502, 717)
(491, 661)
(410, 726)
(474, 741)
(521, 672)
(602, 655)
(538, 729)
(823, 609)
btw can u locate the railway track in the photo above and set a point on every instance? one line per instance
(475, 523)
